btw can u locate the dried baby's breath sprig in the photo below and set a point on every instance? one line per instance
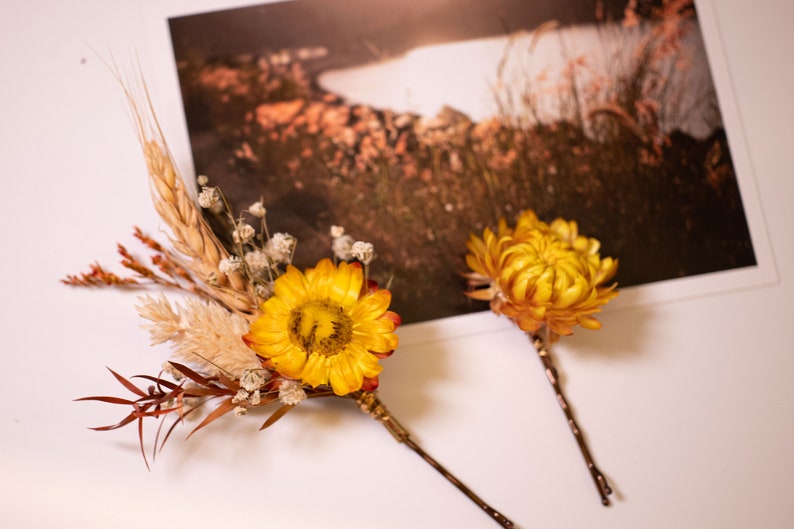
(337, 231)
(363, 251)
(208, 197)
(291, 392)
(346, 248)
(342, 247)
(280, 248)
(243, 233)
(257, 209)
(259, 255)
(547, 278)
(230, 264)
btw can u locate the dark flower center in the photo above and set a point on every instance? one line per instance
(320, 326)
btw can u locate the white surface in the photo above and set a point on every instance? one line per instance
(687, 404)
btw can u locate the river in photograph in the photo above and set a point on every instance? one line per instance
(464, 76)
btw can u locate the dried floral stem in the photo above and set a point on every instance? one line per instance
(604, 490)
(372, 405)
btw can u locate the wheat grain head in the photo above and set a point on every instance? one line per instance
(191, 236)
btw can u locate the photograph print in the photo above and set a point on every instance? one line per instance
(414, 123)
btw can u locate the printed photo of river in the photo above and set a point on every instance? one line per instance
(413, 123)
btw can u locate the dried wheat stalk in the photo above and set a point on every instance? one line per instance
(190, 235)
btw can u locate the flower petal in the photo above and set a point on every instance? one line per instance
(372, 306)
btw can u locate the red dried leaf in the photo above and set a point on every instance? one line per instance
(228, 382)
(213, 391)
(276, 415)
(140, 440)
(158, 412)
(131, 262)
(145, 239)
(160, 382)
(129, 385)
(97, 277)
(225, 407)
(174, 424)
(192, 375)
(124, 422)
(111, 400)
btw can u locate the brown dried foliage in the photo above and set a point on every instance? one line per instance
(167, 271)
(164, 397)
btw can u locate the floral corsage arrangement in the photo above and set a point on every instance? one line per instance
(253, 330)
(547, 278)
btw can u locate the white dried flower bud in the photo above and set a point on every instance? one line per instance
(239, 411)
(341, 247)
(363, 251)
(290, 392)
(279, 247)
(240, 396)
(230, 264)
(208, 197)
(202, 180)
(257, 261)
(255, 398)
(257, 209)
(243, 233)
(252, 380)
(337, 231)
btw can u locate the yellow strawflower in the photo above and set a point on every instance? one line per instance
(325, 326)
(539, 274)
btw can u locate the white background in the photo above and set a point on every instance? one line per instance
(687, 403)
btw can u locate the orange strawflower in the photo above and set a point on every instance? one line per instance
(538, 273)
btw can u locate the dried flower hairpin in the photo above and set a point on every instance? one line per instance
(547, 279)
(254, 329)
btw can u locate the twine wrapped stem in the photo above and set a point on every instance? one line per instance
(372, 406)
